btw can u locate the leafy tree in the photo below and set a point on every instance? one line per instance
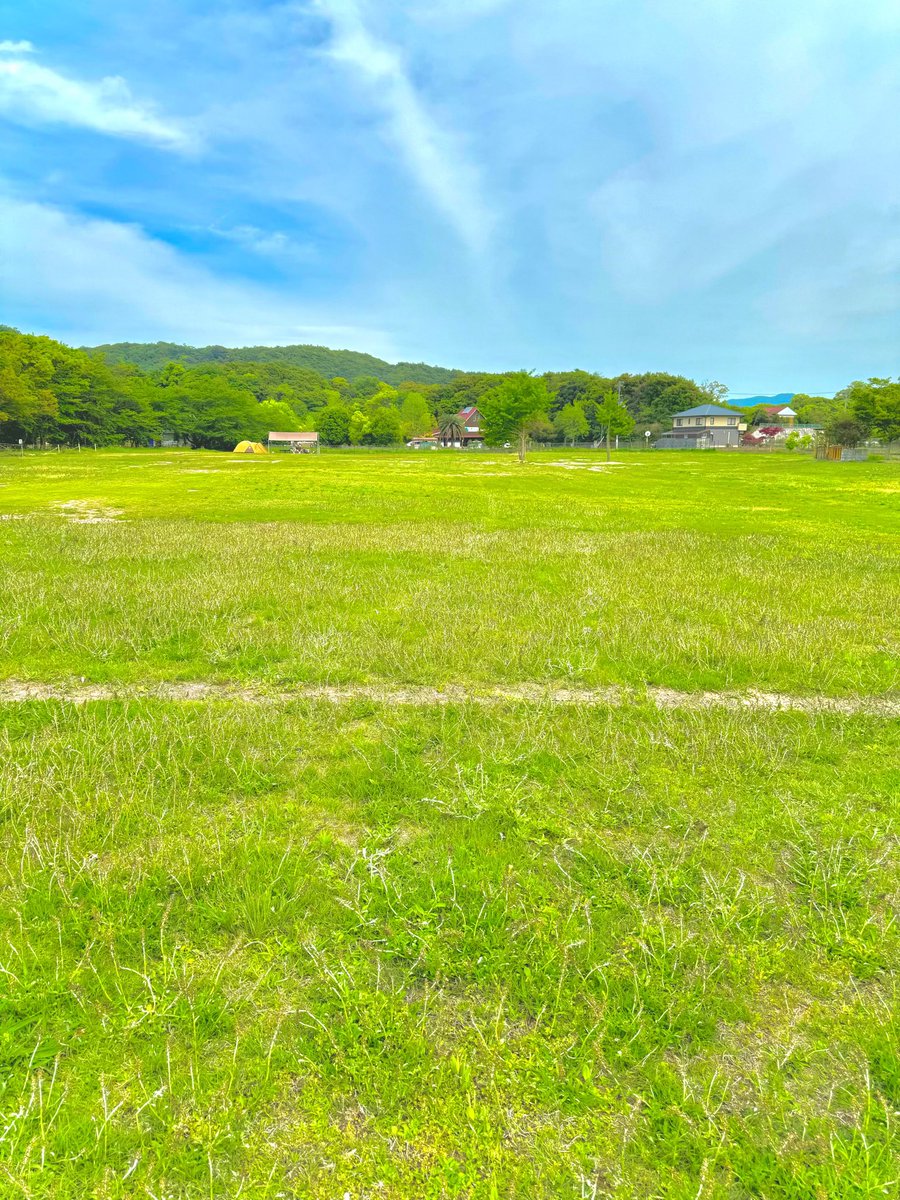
(27, 399)
(171, 375)
(333, 424)
(818, 410)
(416, 418)
(875, 406)
(717, 392)
(843, 431)
(209, 413)
(511, 408)
(571, 423)
(574, 387)
(138, 420)
(358, 428)
(542, 429)
(277, 416)
(614, 417)
(384, 428)
(302, 389)
(365, 386)
(385, 397)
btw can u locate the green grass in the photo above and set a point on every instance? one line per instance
(527, 951)
(691, 571)
(447, 957)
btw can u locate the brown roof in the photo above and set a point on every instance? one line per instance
(293, 437)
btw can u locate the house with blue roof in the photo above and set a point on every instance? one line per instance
(705, 427)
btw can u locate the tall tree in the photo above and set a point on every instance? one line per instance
(416, 418)
(511, 408)
(717, 392)
(875, 406)
(207, 412)
(844, 431)
(280, 416)
(571, 423)
(333, 424)
(614, 417)
(358, 427)
(384, 428)
(27, 400)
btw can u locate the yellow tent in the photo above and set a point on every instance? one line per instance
(249, 448)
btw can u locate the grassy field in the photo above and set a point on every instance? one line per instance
(685, 570)
(292, 948)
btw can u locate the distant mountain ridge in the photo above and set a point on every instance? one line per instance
(750, 401)
(348, 364)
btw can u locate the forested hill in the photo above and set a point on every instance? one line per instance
(345, 364)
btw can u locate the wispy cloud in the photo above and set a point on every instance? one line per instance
(270, 243)
(8, 47)
(39, 95)
(434, 155)
(105, 281)
(619, 184)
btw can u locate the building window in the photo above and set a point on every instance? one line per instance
(679, 421)
(698, 420)
(732, 420)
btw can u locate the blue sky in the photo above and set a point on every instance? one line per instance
(709, 187)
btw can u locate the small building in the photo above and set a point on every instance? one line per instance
(297, 443)
(470, 434)
(720, 425)
(780, 414)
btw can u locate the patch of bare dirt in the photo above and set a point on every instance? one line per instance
(14, 691)
(83, 512)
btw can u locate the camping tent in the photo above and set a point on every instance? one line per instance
(249, 448)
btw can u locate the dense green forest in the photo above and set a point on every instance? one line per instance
(346, 364)
(53, 394)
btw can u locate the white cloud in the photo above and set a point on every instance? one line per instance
(434, 155)
(39, 95)
(16, 48)
(104, 281)
(270, 243)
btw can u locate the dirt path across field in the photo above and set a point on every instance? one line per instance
(14, 692)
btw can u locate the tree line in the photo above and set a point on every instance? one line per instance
(51, 393)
